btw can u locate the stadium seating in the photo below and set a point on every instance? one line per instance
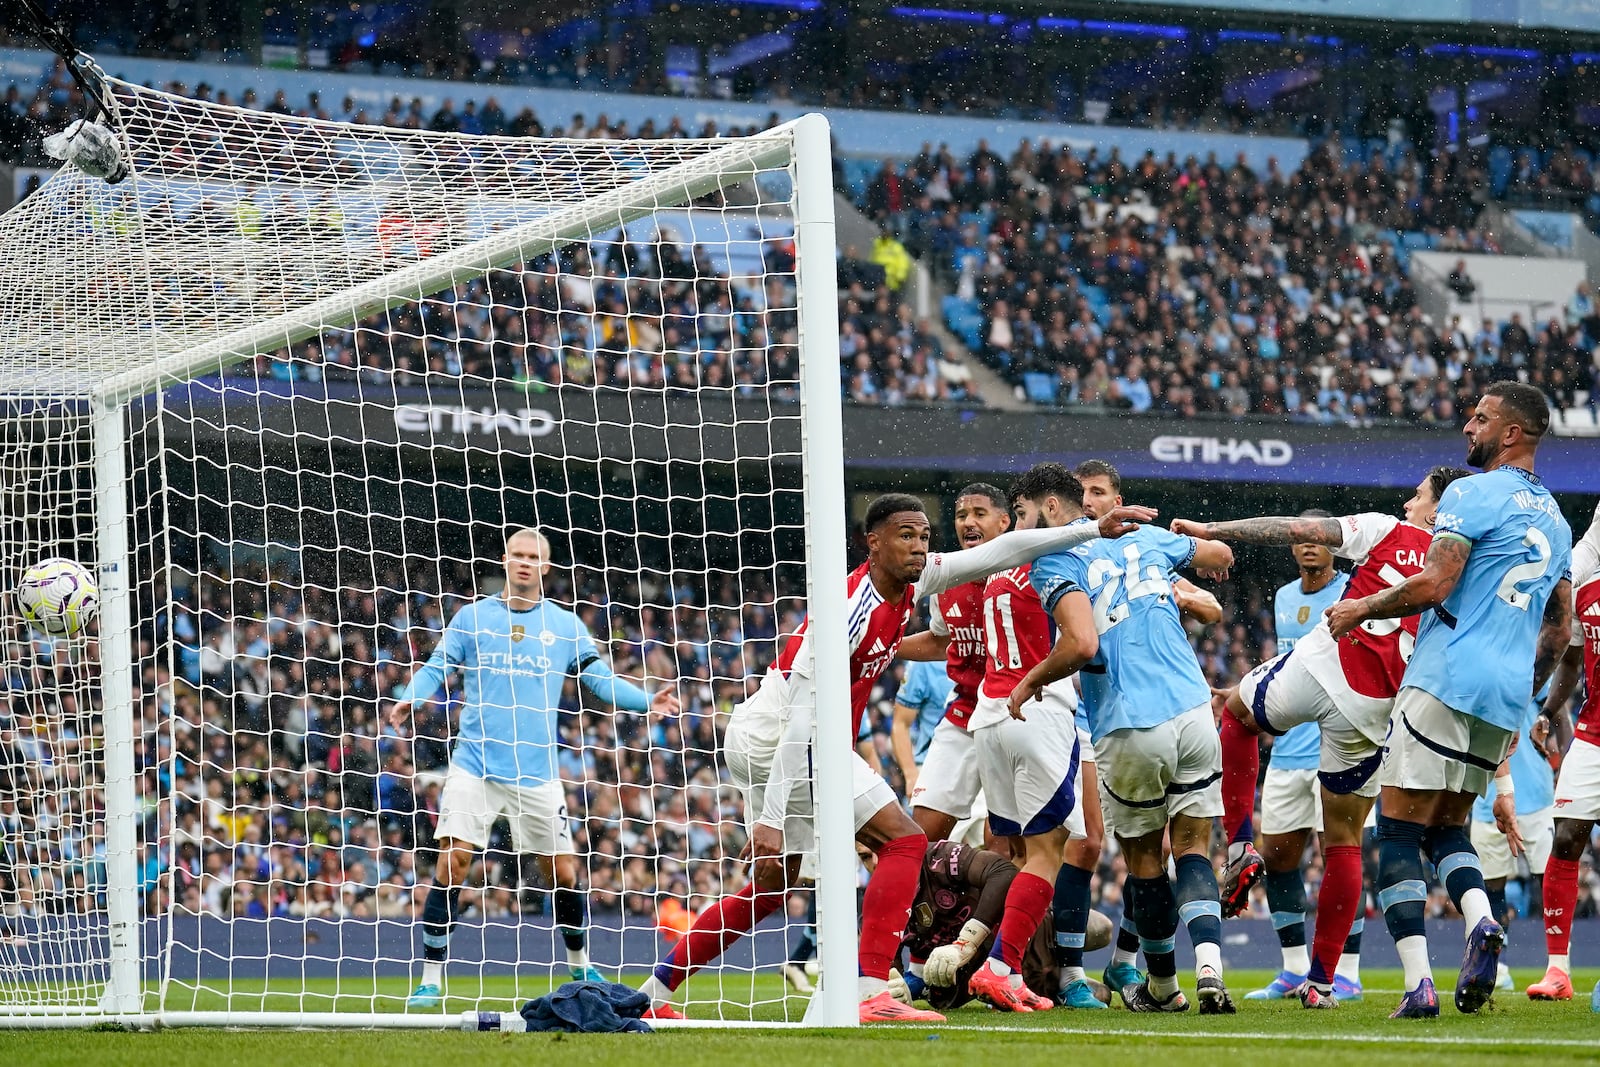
(1295, 284)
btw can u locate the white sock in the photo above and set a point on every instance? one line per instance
(433, 973)
(867, 988)
(1475, 907)
(1072, 974)
(1414, 958)
(1162, 988)
(1296, 959)
(1206, 955)
(657, 991)
(578, 957)
(1119, 955)
(1561, 963)
(1349, 966)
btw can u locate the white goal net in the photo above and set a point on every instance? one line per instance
(288, 390)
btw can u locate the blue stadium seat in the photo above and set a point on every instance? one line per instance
(1040, 387)
(1499, 170)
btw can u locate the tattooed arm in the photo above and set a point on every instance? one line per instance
(1274, 530)
(1420, 592)
(1555, 634)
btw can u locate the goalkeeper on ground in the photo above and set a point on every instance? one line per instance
(514, 653)
(960, 899)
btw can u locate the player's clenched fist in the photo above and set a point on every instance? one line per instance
(1190, 528)
(945, 962)
(1345, 616)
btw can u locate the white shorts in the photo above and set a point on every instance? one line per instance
(1029, 770)
(1291, 800)
(1494, 851)
(469, 805)
(750, 766)
(948, 780)
(1282, 693)
(1150, 776)
(1578, 788)
(1436, 748)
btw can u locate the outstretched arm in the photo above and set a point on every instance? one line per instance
(925, 647)
(1269, 530)
(430, 678)
(1016, 547)
(1423, 591)
(598, 677)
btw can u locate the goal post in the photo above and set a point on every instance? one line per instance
(263, 388)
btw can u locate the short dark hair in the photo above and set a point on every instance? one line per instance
(1524, 404)
(1099, 468)
(989, 492)
(1048, 479)
(1439, 479)
(888, 504)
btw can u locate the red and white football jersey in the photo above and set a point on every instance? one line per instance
(1586, 628)
(1386, 552)
(875, 626)
(1018, 632)
(958, 615)
(875, 629)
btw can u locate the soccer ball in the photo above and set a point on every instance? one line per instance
(59, 597)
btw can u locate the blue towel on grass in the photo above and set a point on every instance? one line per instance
(589, 1008)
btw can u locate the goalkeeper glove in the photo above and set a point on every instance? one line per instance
(945, 962)
(908, 987)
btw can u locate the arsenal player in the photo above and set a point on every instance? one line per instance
(947, 785)
(1347, 686)
(769, 752)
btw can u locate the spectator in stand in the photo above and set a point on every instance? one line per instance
(1461, 283)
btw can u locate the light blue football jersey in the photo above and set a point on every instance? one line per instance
(1531, 775)
(513, 665)
(927, 689)
(1295, 614)
(1475, 651)
(1145, 672)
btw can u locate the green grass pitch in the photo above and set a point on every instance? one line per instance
(1357, 1035)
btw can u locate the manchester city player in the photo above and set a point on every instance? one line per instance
(513, 653)
(1496, 597)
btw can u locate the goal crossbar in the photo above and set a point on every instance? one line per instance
(679, 184)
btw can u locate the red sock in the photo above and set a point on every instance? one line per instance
(714, 930)
(1338, 902)
(1027, 903)
(886, 905)
(1560, 901)
(1241, 762)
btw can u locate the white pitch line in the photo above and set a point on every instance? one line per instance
(1395, 1036)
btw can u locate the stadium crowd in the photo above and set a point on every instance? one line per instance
(1186, 287)
(1159, 286)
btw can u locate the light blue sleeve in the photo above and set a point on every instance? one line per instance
(1176, 550)
(916, 692)
(1464, 513)
(598, 677)
(451, 651)
(1056, 575)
